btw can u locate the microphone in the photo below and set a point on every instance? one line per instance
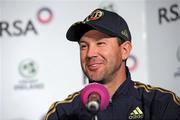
(95, 97)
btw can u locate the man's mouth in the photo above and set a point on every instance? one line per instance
(93, 66)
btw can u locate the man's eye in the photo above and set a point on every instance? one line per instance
(101, 43)
(83, 46)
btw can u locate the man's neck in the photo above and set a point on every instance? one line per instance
(116, 81)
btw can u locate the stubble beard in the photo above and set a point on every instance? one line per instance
(104, 76)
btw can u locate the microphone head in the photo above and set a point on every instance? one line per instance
(95, 88)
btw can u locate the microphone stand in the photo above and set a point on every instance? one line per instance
(95, 117)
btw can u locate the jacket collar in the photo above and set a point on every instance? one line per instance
(124, 87)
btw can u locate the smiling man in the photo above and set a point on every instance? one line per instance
(103, 58)
(105, 44)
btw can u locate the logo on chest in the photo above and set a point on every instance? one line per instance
(136, 114)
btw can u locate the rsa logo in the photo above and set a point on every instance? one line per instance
(20, 27)
(170, 14)
(17, 28)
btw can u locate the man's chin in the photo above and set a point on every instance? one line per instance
(101, 81)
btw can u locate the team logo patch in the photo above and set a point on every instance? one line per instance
(125, 33)
(95, 15)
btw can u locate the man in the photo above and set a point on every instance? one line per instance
(105, 44)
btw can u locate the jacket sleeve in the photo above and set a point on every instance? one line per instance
(166, 105)
(172, 109)
(159, 103)
(52, 113)
(64, 110)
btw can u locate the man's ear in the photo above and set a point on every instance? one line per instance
(126, 49)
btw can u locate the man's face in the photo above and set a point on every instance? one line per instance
(101, 55)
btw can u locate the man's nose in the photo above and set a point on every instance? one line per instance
(92, 51)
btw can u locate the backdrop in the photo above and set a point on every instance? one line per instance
(39, 66)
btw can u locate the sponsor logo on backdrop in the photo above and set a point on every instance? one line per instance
(44, 15)
(169, 14)
(17, 28)
(177, 73)
(132, 63)
(28, 71)
(108, 5)
(28, 68)
(20, 27)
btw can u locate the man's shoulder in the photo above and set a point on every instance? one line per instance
(64, 107)
(67, 101)
(156, 93)
(70, 98)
